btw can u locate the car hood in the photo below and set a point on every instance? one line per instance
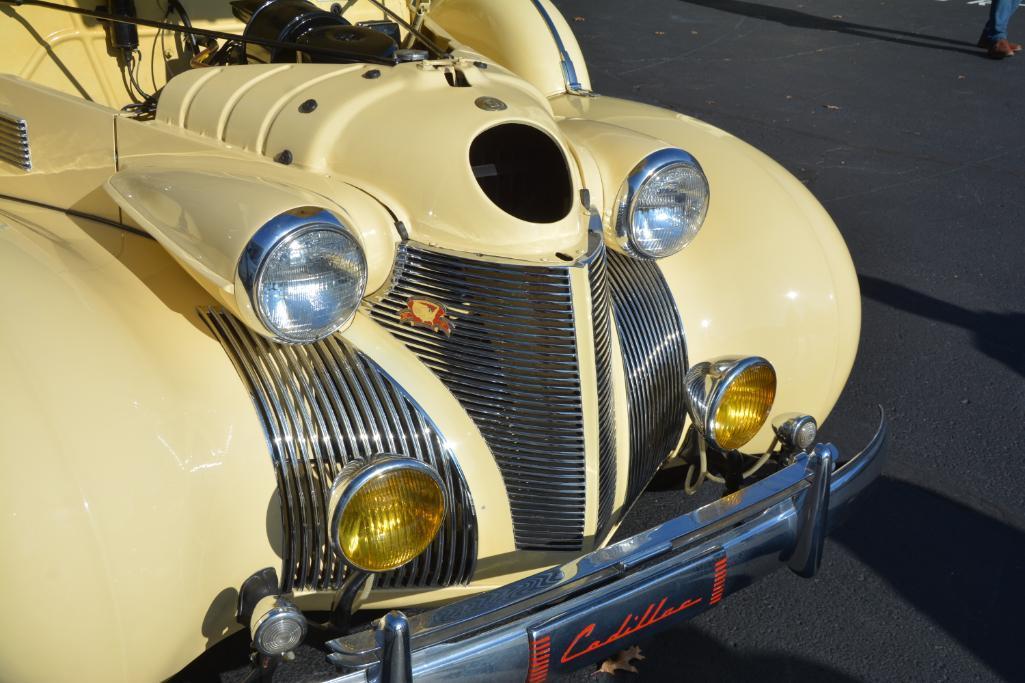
(402, 134)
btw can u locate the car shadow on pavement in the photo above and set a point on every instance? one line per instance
(1000, 336)
(795, 19)
(959, 567)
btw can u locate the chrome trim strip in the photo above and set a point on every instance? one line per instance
(654, 355)
(322, 406)
(757, 528)
(512, 363)
(569, 71)
(14, 141)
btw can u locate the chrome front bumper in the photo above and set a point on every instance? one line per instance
(589, 609)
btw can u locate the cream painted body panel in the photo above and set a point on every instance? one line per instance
(140, 491)
(121, 430)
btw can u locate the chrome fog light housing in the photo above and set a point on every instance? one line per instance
(796, 430)
(385, 511)
(662, 205)
(277, 626)
(729, 399)
(302, 276)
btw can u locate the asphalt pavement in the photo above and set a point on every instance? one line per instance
(913, 141)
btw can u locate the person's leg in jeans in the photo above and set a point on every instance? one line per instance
(999, 16)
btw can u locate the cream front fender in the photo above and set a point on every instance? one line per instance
(137, 491)
(768, 275)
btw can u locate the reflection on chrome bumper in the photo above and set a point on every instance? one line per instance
(588, 609)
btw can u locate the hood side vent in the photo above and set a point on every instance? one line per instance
(14, 147)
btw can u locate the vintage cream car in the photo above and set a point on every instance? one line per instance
(378, 306)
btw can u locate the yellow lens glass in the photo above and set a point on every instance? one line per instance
(391, 519)
(744, 407)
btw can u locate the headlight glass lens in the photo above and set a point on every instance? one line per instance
(666, 211)
(390, 519)
(744, 407)
(310, 283)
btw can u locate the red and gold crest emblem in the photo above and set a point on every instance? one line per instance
(426, 313)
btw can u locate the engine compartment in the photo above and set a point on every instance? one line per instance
(324, 35)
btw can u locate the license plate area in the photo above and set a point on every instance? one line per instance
(596, 630)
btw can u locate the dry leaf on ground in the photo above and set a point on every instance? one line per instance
(621, 662)
(832, 107)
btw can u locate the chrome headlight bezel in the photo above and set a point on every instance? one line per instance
(626, 201)
(281, 230)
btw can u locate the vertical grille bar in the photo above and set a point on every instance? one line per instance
(323, 405)
(655, 360)
(511, 362)
(606, 416)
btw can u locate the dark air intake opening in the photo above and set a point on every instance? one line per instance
(523, 171)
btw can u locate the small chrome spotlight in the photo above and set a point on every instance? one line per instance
(796, 430)
(277, 626)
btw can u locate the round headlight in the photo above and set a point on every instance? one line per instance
(729, 399)
(304, 274)
(662, 205)
(386, 512)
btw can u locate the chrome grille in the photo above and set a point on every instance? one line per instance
(655, 359)
(511, 361)
(606, 416)
(322, 405)
(14, 147)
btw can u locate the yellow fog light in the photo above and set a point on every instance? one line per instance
(729, 399)
(385, 512)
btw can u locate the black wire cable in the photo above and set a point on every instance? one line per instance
(78, 214)
(177, 7)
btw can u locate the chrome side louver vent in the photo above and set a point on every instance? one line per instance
(322, 405)
(655, 359)
(510, 359)
(14, 148)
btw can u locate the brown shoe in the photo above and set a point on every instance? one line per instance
(986, 44)
(1000, 49)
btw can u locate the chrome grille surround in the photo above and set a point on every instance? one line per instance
(14, 147)
(323, 405)
(655, 360)
(512, 363)
(603, 365)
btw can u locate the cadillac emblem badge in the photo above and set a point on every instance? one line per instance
(426, 313)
